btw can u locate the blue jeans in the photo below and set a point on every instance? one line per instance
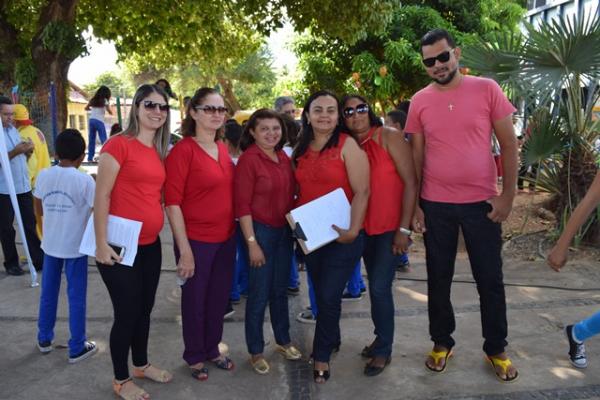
(356, 283)
(240, 272)
(330, 267)
(268, 285)
(483, 239)
(95, 126)
(380, 263)
(76, 270)
(587, 328)
(294, 277)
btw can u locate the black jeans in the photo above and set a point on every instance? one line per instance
(330, 268)
(483, 239)
(132, 291)
(7, 232)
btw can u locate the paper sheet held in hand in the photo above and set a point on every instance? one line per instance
(313, 220)
(119, 231)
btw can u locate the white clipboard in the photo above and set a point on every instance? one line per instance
(311, 222)
(119, 231)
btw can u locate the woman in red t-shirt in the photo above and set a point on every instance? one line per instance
(199, 204)
(387, 223)
(264, 193)
(327, 159)
(129, 185)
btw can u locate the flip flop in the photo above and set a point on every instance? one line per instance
(437, 356)
(504, 364)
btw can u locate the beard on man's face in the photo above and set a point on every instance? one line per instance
(447, 79)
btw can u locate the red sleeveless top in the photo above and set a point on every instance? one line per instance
(321, 172)
(385, 202)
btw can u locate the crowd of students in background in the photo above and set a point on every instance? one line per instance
(226, 190)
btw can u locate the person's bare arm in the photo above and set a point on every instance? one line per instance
(418, 150)
(558, 255)
(255, 253)
(502, 204)
(108, 169)
(401, 154)
(186, 264)
(357, 167)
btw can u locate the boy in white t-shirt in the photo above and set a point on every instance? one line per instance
(64, 196)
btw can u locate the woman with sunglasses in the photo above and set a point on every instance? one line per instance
(387, 222)
(327, 159)
(129, 184)
(199, 204)
(264, 193)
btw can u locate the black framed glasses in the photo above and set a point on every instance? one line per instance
(211, 109)
(442, 57)
(150, 104)
(359, 109)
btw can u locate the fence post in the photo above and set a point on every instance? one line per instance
(119, 117)
(53, 112)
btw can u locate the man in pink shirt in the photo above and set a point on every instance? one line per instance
(451, 122)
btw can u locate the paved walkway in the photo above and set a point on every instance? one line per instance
(537, 344)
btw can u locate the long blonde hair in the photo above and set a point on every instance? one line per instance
(161, 137)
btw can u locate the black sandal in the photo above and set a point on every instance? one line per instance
(321, 376)
(200, 374)
(372, 370)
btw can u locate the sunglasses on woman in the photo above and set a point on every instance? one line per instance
(442, 57)
(211, 109)
(359, 109)
(150, 104)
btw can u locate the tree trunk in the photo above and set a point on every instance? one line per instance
(228, 95)
(52, 66)
(10, 51)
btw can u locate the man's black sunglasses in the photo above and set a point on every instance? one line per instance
(442, 57)
(150, 104)
(359, 109)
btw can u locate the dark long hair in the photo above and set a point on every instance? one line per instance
(307, 134)
(101, 97)
(373, 119)
(264, 113)
(188, 125)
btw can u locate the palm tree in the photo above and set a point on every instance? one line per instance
(555, 69)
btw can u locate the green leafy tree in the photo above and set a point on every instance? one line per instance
(118, 85)
(386, 66)
(40, 38)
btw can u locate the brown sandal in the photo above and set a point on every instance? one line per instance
(154, 374)
(134, 393)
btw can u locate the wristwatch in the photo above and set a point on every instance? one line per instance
(251, 239)
(405, 231)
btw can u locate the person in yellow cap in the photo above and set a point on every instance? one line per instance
(40, 158)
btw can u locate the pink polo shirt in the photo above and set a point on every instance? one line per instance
(458, 166)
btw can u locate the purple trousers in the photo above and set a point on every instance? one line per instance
(204, 298)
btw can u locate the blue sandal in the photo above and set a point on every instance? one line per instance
(223, 363)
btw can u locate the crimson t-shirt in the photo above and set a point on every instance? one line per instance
(137, 191)
(203, 188)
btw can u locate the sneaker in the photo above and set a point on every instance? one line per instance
(306, 317)
(576, 350)
(293, 291)
(14, 270)
(230, 311)
(89, 349)
(349, 297)
(45, 347)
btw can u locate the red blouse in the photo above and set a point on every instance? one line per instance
(137, 191)
(264, 188)
(385, 202)
(203, 188)
(319, 173)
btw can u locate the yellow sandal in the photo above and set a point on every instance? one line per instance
(134, 393)
(437, 356)
(154, 374)
(504, 365)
